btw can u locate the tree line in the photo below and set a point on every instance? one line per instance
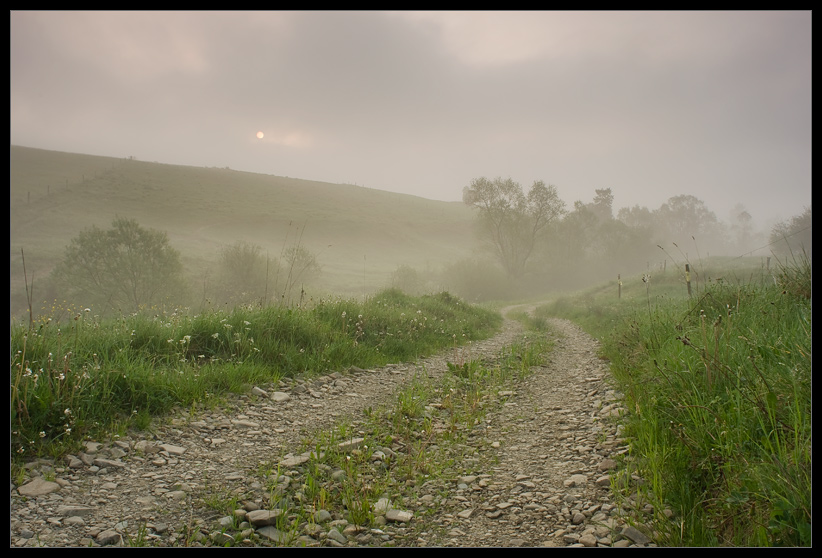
(533, 234)
(534, 239)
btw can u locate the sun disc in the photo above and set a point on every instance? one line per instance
(260, 135)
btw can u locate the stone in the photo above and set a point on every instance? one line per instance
(38, 487)
(273, 534)
(334, 535)
(261, 518)
(635, 535)
(171, 449)
(74, 510)
(576, 480)
(399, 516)
(108, 537)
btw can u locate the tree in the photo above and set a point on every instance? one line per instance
(793, 237)
(512, 220)
(407, 279)
(578, 232)
(126, 267)
(603, 205)
(245, 274)
(685, 217)
(741, 228)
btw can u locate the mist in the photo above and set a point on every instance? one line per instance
(650, 104)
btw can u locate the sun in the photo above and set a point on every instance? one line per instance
(260, 135)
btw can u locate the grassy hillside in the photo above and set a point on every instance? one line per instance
(359, 235)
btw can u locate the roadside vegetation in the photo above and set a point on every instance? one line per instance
(85, 376)
(717, 389)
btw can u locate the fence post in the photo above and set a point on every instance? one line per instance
(688, 277)
(619, 282)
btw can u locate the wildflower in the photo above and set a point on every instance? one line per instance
(215, 335)
(42, 434)
(67, 412)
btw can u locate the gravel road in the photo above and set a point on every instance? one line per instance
(540, 474)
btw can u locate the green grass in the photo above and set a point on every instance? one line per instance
(91, 376)
(718, 389)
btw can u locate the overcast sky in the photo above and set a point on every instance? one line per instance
(649, 104)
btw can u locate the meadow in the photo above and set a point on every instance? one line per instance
(359, 235)
(717, 387)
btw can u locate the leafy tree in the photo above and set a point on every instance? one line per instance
(511, 220)
(126, 267)
(407, 279)
(793, 236)
(685, 217)
(637, 217)
(742, 231)
(577, 232)
(245, 274)
(603, 204)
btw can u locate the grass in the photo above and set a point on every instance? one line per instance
(90, 376)
(718, 388)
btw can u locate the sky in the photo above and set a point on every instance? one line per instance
(652, 105)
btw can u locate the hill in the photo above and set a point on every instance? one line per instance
(359, 235)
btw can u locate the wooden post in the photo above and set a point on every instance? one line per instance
(688, 277)
(619, 282)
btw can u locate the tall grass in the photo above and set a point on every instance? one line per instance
(87, 376)
(718, 388)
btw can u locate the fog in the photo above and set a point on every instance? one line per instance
(650, 104)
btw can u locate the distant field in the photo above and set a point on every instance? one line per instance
(360, 235)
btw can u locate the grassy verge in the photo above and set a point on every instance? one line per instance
(718, 387)
(87, 377)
